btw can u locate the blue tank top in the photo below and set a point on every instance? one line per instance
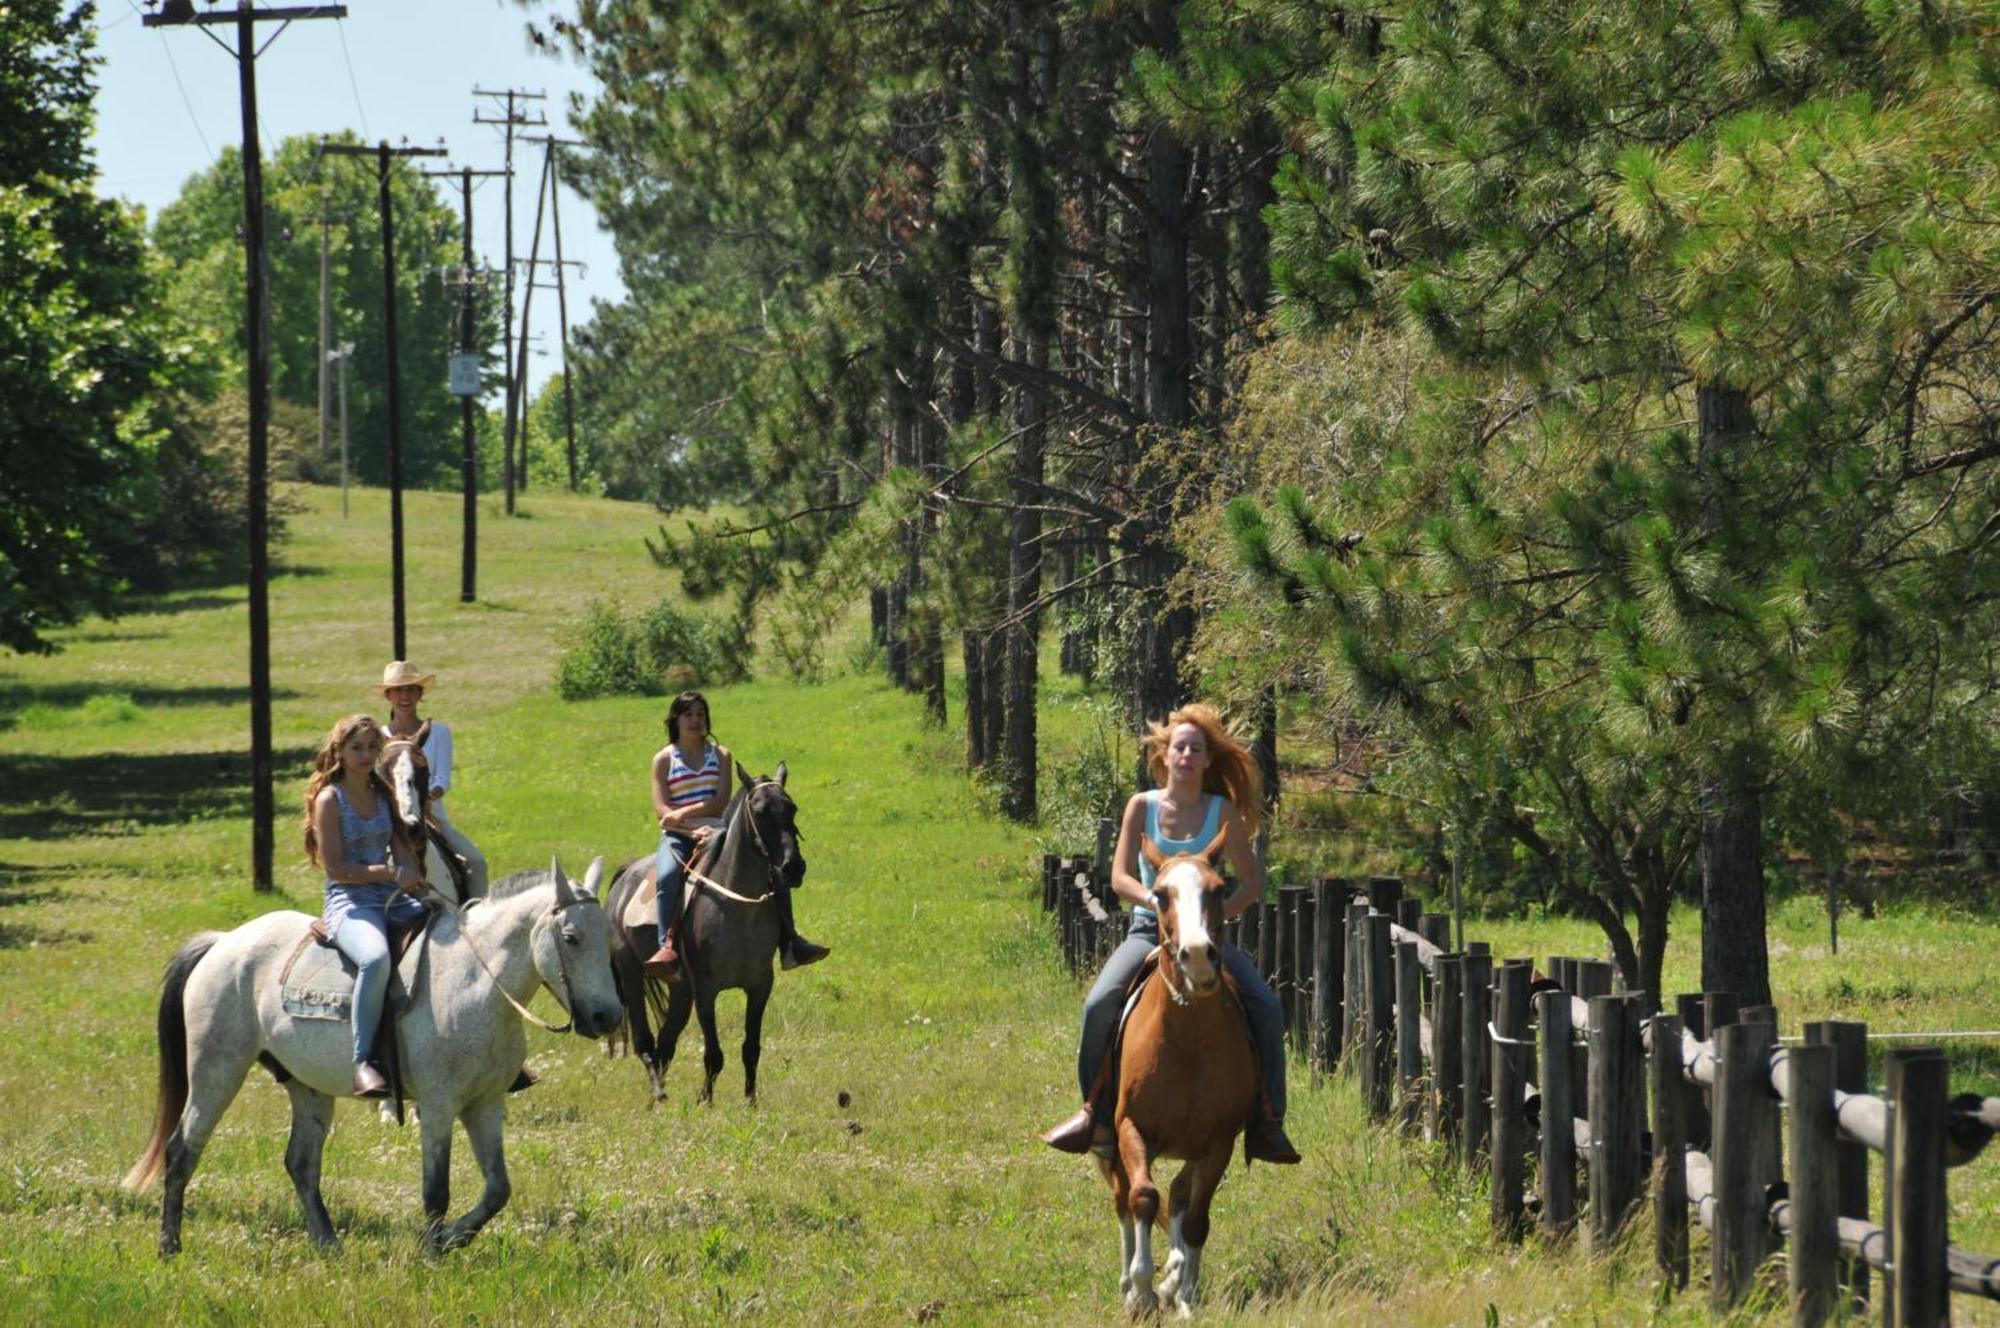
(364, 840)
(1195, 843)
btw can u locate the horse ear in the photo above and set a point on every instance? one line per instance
(1215, 846)
(423, 733)
(556, 875)
(1150, 852)
(780, 776)
(593, 877)
(744, 777)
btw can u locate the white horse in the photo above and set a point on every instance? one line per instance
(408, 773)
(461, 1039)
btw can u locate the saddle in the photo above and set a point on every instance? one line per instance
(642, 910)
(317, 982)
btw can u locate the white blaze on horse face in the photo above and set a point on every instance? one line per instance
(1184, 882)
(403, 779)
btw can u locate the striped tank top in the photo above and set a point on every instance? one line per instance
(686, 784)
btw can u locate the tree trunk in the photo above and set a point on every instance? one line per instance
(1733, 954)
(1733, 950)
(971, 642)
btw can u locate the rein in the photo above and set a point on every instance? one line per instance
(745, 813)
(561, 963)
(1166, 969)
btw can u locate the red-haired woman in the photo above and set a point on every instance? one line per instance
(1207, 783)
(372, 873)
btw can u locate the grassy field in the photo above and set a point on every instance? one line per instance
(943, 1017)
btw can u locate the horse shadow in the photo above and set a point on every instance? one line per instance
(47, 796)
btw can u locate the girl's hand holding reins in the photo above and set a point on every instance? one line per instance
(409, 880)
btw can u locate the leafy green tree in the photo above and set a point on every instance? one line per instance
(85, 346)
(199, 234)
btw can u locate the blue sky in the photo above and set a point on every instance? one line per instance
(167, 106)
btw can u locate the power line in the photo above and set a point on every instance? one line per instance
(354, 86)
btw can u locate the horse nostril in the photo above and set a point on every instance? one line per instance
(1212, 955)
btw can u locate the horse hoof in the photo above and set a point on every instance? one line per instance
(1140, 1302)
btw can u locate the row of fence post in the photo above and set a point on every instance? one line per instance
(1503, 1065)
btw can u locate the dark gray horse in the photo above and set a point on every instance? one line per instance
(729, 934)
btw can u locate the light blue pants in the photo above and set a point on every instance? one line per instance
(363, 936)
(1107, 1000)
(670, 865)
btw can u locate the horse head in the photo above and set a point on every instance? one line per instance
(408, 773)
(571, 944)
(1187, 895)
(771, 818)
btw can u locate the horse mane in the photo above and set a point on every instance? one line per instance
(513, 883)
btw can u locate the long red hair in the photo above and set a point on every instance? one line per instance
(327, 768)
(1232, 771)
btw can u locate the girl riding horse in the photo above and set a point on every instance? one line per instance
(372, 878)
(1208, 785)
(691, 786)
(403, 686)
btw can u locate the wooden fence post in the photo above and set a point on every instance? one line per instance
(1814, 1255)
(1304, 930)
(1670, 1205)
(1408, 910)
(1409, 1033)
(1353, 1021)
(1328, 973)
(1508, 1164)
(1286, 983)
(1381, 1033)
(1267, 939)
(1383, 892)
(1475, 1065)
(1107, 839)
(1435, 928)
(1447, 1049)
(1692, 1011)
(1617, 1095)
(1914, 1291)
(1067, 907)
(1742, 1096)
(1591, 978)
(1050, 863)
(1558, 1178)
(1771, 1151)
(1849, 1040)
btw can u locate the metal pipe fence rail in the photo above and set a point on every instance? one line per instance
(1513, 1068)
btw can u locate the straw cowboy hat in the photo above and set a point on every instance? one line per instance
(402, 673)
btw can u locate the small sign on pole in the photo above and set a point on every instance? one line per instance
(465, 375)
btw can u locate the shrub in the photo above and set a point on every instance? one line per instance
(651, 653)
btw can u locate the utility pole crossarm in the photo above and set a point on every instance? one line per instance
(182, 15)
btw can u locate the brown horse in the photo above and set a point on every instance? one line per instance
(1187, 1083)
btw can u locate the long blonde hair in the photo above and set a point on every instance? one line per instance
(1232, 771)
(327, 768)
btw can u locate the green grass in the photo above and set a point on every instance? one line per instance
(943, 1016)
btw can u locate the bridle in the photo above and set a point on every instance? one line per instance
(773, 879)
(576, 898)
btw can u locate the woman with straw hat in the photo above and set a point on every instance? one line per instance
(404, 685)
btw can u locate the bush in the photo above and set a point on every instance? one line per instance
(654, 652)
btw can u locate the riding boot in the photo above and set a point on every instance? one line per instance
(369, 1081)
(525, 1078)
(664, 964)
(794, 950)
(1264, 1137)
(1089, 1130)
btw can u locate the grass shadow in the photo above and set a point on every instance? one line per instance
(16, 697)
(60, 797)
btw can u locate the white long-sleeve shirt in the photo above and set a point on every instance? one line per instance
(437, 751)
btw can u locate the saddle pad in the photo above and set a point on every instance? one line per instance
(642, 911)
(318, 981)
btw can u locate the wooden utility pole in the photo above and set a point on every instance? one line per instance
(383, 154)
(562, 303)
(510, 120)
(246, 17)
(527, 302)
(467, 334)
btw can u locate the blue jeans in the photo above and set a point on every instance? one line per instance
(670, 876)
(363, 936)
(1107, 1001)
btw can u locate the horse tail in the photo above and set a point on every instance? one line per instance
(173, 1061)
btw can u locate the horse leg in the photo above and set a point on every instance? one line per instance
(312, 1116)
(753, 1036)
(711, 1051)
(1191, 1223)
(680, 1004)
(212, 1086)
(1121, 1204)
(1177, 1202)
(436, 1126)
(482, 1128)
(1145, 1210)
